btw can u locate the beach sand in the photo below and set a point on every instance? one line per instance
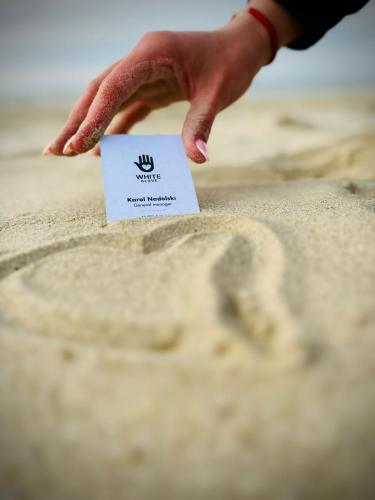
(225, 355)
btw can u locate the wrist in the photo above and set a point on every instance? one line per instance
(286, 26)
(248, 39)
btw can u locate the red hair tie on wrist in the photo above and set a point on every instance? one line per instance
(269, 27)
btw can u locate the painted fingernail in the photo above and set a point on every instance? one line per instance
(202, 146)
(47, 150)
(68, 149)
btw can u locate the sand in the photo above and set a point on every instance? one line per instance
(225, 355)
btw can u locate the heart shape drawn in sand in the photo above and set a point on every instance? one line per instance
(202, 284)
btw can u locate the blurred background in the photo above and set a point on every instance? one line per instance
(52, 48)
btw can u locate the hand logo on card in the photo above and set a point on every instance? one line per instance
(143, 161)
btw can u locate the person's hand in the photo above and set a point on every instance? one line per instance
(209, 69)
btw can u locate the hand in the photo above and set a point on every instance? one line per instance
(209, 69)
(143, 161)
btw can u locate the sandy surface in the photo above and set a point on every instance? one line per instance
(228, 355)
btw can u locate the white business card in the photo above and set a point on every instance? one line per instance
(146, 175)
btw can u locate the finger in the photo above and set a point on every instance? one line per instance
(118, 86)
(95, 151)
(77, 115)
(126, 120)
(197, 127)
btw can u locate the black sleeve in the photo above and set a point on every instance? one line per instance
(318, 16)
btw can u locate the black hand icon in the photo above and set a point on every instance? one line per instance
(143, 161)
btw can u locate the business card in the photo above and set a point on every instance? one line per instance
(146, 175)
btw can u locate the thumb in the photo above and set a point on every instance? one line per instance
(197, 126)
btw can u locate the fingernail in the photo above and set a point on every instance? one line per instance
(68, 149)
(202, 146)
(47, 150)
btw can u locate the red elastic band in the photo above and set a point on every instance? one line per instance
(269, 27)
